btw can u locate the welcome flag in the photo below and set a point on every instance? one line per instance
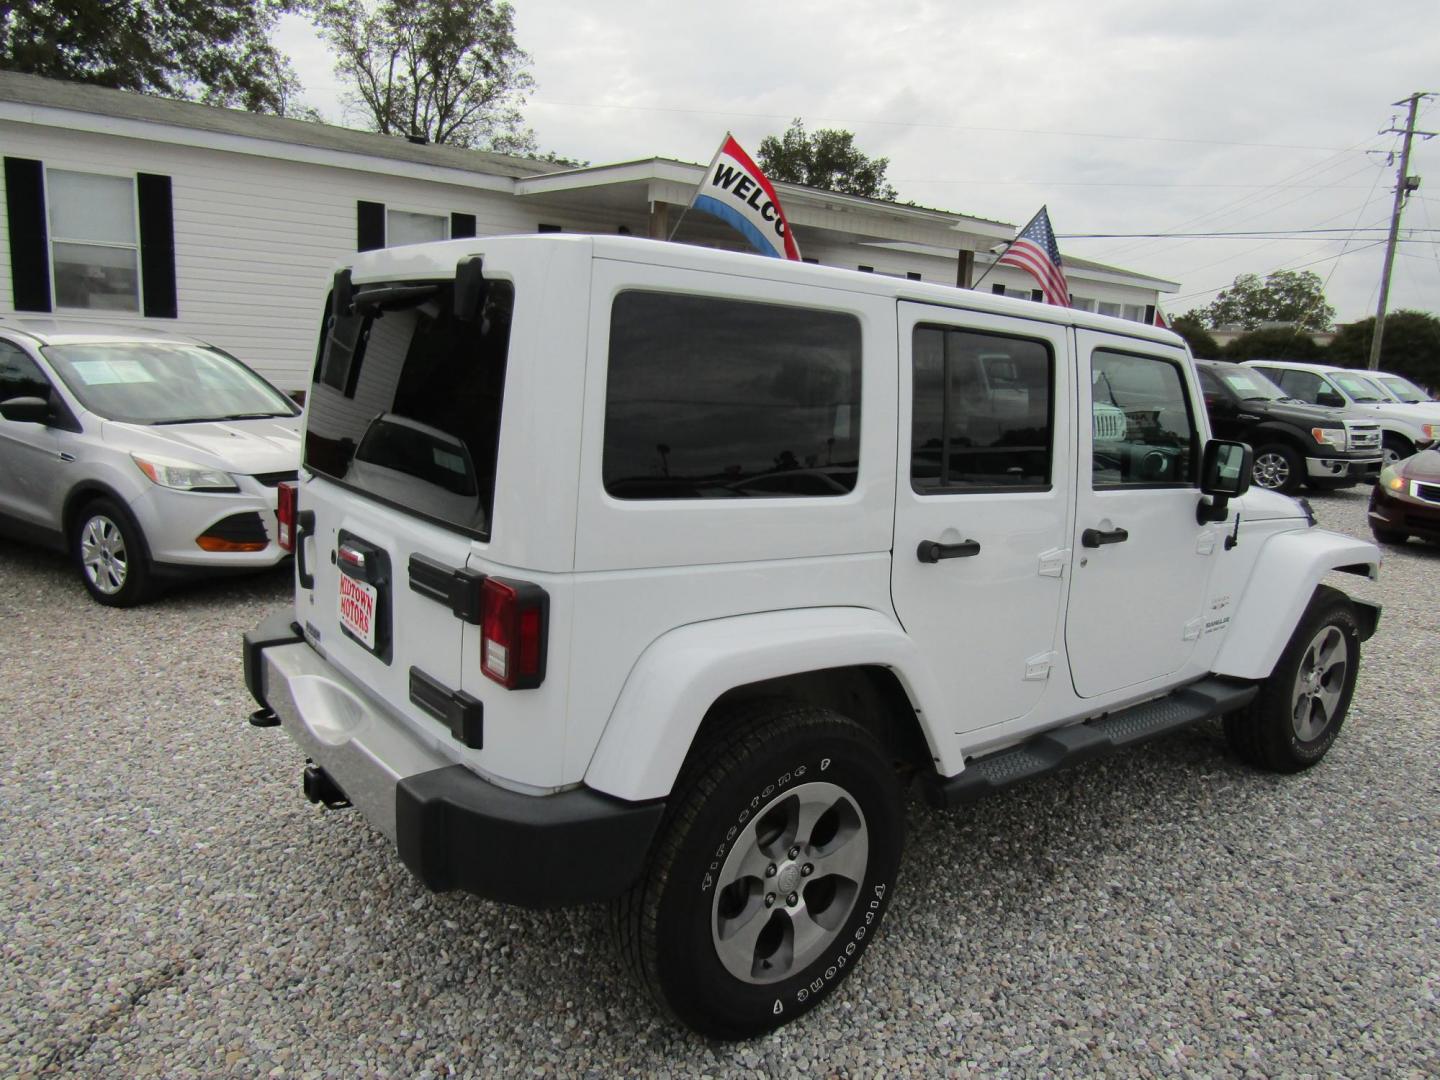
(737, 192)
(1036, 252)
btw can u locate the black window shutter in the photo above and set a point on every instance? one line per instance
(29, 244)
(461, 226)
(369, 226)
(157, 246)
(1149, 314)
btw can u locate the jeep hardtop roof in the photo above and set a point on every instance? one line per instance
(438, 259)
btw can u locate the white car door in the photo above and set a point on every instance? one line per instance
(1141, 561)
(982, 505)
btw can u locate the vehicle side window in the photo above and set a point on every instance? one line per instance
(982, 416)
(1209, 385)
(717, 398)
(1305, 385)
(20, 376)
(1142, 432)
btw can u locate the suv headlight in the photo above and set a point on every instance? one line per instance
(1390, 478)
(184, 475)
(1430, 431)
(1334, 437)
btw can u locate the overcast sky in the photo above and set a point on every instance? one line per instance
(1122, 116)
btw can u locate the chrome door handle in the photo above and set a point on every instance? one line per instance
(932, 551)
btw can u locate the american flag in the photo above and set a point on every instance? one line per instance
(1036, 252)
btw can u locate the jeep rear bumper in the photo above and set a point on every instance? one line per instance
(452, 828)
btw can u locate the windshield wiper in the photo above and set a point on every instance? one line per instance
(215, 419)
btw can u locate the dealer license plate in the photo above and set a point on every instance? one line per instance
(358, 601)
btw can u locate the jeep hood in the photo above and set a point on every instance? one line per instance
(237, 446)
(1257, 504)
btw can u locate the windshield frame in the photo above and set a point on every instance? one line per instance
(62, 358)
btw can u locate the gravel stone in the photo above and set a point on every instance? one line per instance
(173, 906)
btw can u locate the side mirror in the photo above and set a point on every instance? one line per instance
(1329, 399)
(1224, 474)
(26, 410)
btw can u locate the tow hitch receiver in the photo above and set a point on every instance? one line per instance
(320, 788)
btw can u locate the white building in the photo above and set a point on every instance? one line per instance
(227, 225)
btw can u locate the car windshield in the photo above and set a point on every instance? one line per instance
(1404, 389)
(164, 382)
(1251, 385)
(1362, 390)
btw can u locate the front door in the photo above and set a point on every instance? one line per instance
(982, 505)
(1141, 560)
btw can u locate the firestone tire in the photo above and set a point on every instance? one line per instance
(1298, 713)
(110, 554)
(771, 873)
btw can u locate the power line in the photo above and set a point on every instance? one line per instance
(1277, 234)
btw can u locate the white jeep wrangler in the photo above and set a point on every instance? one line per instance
(647, 573)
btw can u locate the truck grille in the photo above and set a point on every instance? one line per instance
(1363, 436)
(1428, 492)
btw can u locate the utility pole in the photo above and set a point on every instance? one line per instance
(1404, 184)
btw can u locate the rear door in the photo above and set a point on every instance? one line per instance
(982, 505)
(1141, 560)
(400, 442)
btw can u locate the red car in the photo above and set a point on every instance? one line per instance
(1406, 500)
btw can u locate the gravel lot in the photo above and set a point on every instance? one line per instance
(174, 907)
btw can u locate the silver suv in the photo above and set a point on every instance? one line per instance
(147, 456)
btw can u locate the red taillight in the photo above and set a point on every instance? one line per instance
(512, 633)
(288, 499)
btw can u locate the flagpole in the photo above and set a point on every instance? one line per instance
(708, 170)
(994, 263)
(1001, 253)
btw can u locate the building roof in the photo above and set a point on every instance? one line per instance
(123, 104)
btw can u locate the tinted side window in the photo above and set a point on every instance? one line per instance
(714, 398)
(1142, 430)
(20, 376)
(1209, 385)
(1305, 385)
(982, 411)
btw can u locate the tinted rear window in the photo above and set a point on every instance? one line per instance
(406, 402)
(717, 398)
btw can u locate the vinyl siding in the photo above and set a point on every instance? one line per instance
(256, 239)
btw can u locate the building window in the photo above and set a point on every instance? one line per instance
(1106, 308)
(1134, 312)
(544, 228)
(1080, 303)
(94, 241)
(404, 227)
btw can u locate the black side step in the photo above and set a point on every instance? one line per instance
(1062, 747)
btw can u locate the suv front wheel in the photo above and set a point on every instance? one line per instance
(771, 873)
(1295, 718)
(110, 553)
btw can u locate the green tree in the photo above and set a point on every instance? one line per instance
(1191, 327)
(215, 50)
(1287, 296)
(1274, 343)
(1410, 347)
(448, 71)
(827, 159)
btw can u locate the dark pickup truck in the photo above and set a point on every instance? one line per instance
(1295, 443)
